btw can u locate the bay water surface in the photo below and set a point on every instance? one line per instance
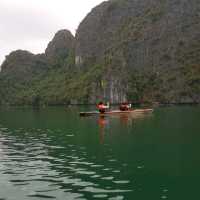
(52, 153)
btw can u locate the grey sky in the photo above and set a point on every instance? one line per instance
(31, 24)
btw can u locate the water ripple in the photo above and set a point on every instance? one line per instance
(99, 190)
(42, 169)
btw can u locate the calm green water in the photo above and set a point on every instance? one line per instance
(52, 153)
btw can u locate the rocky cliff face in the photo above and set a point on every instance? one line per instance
(24, 62)
(149, 31)
(60, 47)
(23, 65)
(160, 36)
(15, 60)
(29, 79)
(137, 50)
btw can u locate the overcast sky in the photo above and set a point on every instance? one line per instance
(31, 24)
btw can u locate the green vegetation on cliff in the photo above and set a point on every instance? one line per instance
(143, 51)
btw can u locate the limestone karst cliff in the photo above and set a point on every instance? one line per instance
(155, 38)
(136, 50)
(60, 47)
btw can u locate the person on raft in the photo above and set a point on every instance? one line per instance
(102, 107)
(125, 106)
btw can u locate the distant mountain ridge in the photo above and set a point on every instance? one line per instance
(136, 50)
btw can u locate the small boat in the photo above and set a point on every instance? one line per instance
(114, 112)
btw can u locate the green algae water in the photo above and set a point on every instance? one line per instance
(52, 153)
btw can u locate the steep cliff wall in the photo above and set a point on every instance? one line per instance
(60, 47)
(142, 36)
(137, 50)
(31, 79)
